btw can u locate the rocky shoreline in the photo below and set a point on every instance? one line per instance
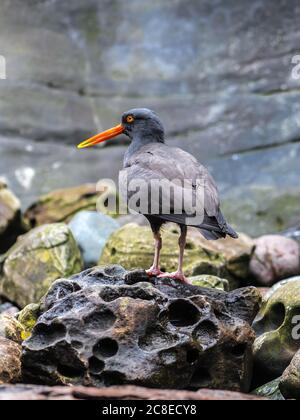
(77, 309)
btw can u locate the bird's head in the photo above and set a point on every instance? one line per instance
(137, 124)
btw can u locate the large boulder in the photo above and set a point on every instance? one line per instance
(11, 224)
(91, 231)
(276, 328)
(38, 259)
(10, 364)
(61, 205)
(275, 258)
(132, 246)
(107, 326)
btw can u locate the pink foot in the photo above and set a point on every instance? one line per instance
(154, 272)
(176, 276)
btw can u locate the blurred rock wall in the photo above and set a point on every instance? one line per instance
(218, 73)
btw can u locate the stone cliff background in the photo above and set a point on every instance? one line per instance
(217, 72)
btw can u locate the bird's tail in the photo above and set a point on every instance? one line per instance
(212, 228)
(216, 228)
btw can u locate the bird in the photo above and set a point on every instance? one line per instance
(149, 158)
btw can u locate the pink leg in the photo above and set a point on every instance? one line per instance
(154, 271)
(178, 275)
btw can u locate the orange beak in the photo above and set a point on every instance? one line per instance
(99, 138)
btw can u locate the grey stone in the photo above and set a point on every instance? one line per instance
(270, 390)
(91, 231)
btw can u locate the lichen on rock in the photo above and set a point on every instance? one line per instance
(28, 318)
(212, 282)
(276, 344)
(61, 205)
(38, 259)
(132, 247)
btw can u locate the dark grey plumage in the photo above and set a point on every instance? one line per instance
(155, 160)
(190, 197)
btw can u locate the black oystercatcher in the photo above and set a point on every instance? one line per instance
(148, 158)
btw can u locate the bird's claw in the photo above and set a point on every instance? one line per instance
(175, 276)
(154, 272)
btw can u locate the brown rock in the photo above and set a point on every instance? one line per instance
(33, 392)
(10, 364)
(290, 381)
(275, 258)
(11, 328)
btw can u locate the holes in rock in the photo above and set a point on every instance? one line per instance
(113, 251)
(272, 320)
(200, 379)
(183, 313)
(45, 335)
(106, 347)
(100, 320)
(96, 366)
(192, 355)
(239, 350)
(113, 378)
(69, 371)
(206, 333)
(109, 295)
(77, 344)
(157, 338)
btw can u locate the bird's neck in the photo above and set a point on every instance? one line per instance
(138, 142)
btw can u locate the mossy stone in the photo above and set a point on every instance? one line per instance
(132, 247)
(40, 257)
(211, 282)
(28, 318)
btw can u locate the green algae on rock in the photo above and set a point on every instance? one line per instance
(40, 257)
(211, 282)
(132, 247)
(27, 318)
(276, 345)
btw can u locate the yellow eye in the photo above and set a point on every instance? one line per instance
(130, 119)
